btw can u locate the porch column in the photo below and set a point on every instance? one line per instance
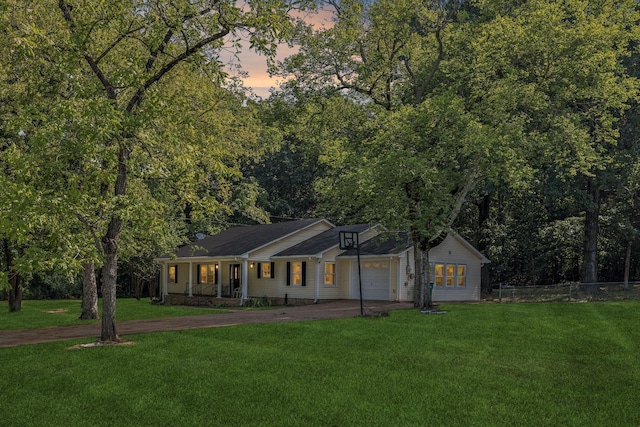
(218, 270)
(399, 282)
(190, 279)
(245, 281)
(164, 286)
(317, 293)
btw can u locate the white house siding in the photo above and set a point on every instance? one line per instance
(452, 251)
(289, 241)
(341, 288)
(183, 278)
(406, 279)
(343, 277)
(277, 287)
(268, 286)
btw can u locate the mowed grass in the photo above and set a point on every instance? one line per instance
(49, 313)
(478, 365)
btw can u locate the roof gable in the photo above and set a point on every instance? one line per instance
(397, 243)
(321, 242)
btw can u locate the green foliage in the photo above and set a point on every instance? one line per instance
(114, 118)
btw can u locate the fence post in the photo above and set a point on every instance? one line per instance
(570, 286)
(500, 293)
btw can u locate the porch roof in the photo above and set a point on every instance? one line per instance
(320, 243)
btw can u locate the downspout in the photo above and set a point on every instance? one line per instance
(398, 279)
(218, 270)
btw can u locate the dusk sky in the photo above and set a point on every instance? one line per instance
(256, 65)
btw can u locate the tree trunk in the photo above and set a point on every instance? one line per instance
(591, 231)
(89, 293)
(109, 282)
(627, 263)
(421, 294)
(484, 210)
(15, 280)
(15, 293)
(110, 247)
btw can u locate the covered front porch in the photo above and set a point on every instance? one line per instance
(205, 278)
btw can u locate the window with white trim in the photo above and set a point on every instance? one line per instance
(266, 270)
(296, 273)
(330, 274)
(207, 274)
(449, 275)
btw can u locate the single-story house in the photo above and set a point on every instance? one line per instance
(301, 262)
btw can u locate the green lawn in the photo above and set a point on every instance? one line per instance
(47, 313)
(478, 365)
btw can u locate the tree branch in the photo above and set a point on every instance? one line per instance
(111, 92)
(139, 95)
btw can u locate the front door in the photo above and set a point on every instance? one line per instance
(234, 279)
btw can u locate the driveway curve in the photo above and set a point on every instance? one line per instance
(325, 310)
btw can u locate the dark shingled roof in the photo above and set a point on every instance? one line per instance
(386, 243)
(320, 242)
(237, 241)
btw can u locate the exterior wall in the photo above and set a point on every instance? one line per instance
(401, 280)
(341, 288)
(453, 252)
(277, 287)
(299, 237)
(343, 278)
(406, 278)
(269, 287)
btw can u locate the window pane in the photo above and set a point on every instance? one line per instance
(203, 274)
(439, 274)
(462, 273)
(329, 273)
(451, 270)
(211, 273)
(172, 273)
(266, 270)
(296, 273)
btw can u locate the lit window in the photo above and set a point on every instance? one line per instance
(265, 270)
(296, 273)
(439, 274)
(329, 274)
(207, 274)
(451, 273)
(173, 273)
(462, 276)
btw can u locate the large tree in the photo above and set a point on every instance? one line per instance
(118, 67)
(480, 91)
(425, 147)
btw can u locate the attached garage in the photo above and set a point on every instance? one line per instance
(376, 277)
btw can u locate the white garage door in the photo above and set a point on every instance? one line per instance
(375, 280)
